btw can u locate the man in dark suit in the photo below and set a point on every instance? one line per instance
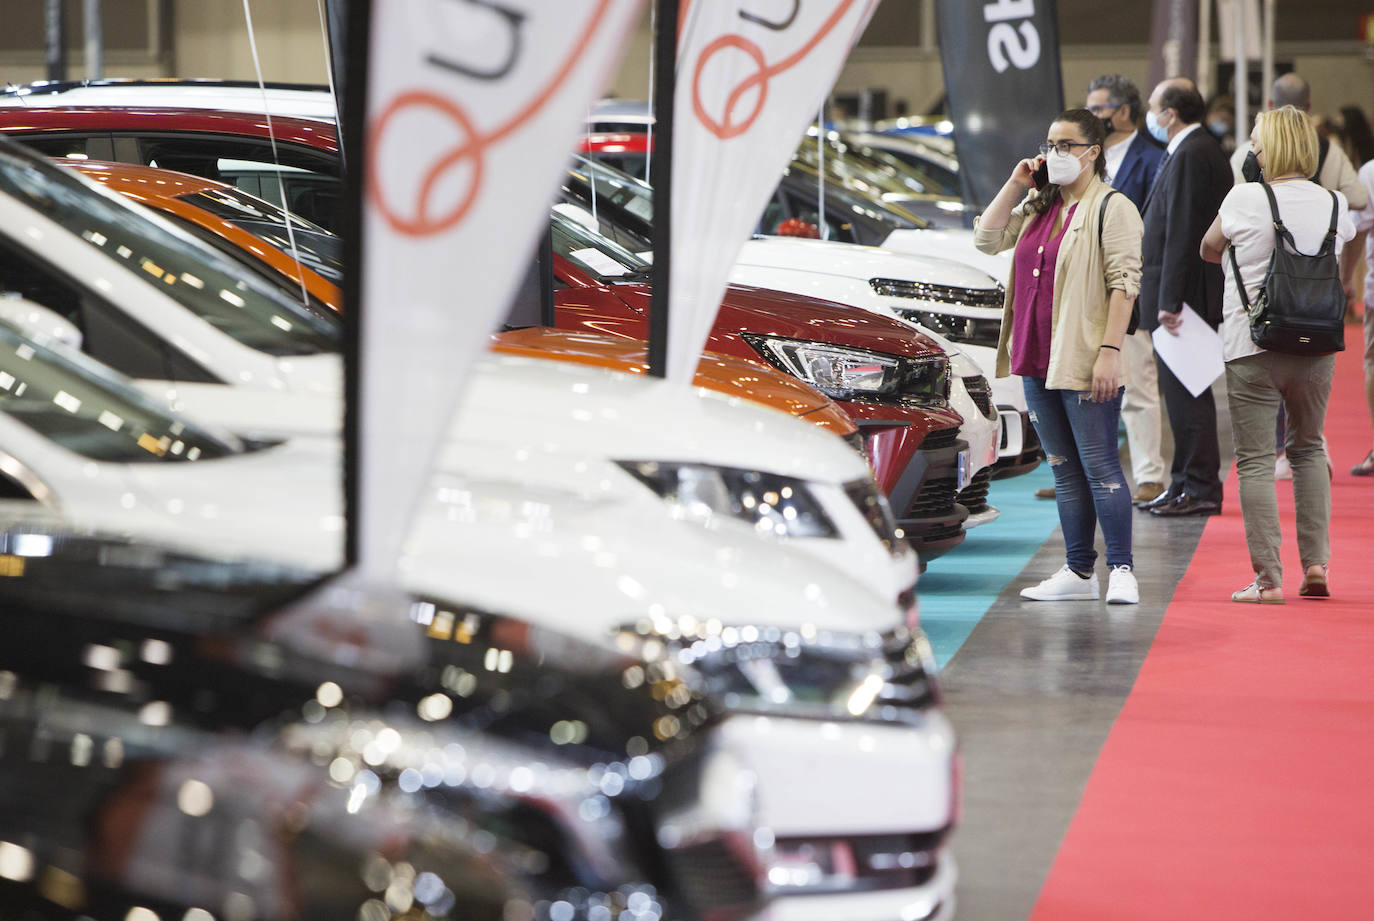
(1132, 161)
(1194, 177)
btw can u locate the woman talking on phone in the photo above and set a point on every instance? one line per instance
(1073, 283)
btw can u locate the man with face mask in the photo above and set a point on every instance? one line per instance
(1334, 169)
(1132, 161)
(1193, 179)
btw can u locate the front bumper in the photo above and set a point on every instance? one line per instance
(864, 795)
(1019, 451)
(920, 464)
(933, 901)
(872, 798)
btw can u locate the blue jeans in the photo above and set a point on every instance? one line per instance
(1079, 437)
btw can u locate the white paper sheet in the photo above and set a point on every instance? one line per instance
(1194, 355)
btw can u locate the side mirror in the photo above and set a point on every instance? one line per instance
(29, 317)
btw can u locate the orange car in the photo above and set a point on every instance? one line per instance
(253, 231)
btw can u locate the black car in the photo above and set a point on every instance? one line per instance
(181, 738)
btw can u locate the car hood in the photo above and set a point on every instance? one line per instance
(563, 418)
(861, 262)
(479, 539)
(596, 571)
(793, 316)
(721, 373)
(952, 244)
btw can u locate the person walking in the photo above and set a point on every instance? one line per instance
(1366, 225)
(1132, 162)
(1193, 179)
(1258, 380)
(1073, 282)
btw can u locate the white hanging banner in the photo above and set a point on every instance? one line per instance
(472, 109)
(751, 75)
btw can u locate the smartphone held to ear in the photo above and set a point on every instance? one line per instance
(1041, 176)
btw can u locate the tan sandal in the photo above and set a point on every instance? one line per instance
(1314, 582)
(1253, 594)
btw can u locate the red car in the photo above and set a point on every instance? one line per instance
(225, 146)
(891, 382)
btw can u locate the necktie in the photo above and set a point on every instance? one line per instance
(1159, 170)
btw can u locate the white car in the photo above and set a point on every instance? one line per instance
(294, 100)
(819, 676)
(234, 349)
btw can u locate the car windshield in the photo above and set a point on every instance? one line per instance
(214, 287)
(874, 172)
(319, 249)
(594, 253)
(86, 408)
(620, 189)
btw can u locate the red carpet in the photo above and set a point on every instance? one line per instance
(1238, 781)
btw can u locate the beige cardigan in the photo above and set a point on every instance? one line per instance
(1084, 274)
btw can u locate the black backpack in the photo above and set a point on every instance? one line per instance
(1300, 307)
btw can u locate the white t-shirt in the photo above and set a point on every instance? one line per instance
(1116, 153)
(1364, 220)
(1305, 208)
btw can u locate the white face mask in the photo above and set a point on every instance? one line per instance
(1063, 168)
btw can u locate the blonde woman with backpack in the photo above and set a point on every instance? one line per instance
(1258, 379)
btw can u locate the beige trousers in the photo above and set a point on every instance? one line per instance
(1255, 385)
(1140, 411)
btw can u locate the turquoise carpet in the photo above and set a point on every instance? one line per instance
(959, 587)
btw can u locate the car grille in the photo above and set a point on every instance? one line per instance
(974, 496)
(871, 504)
(935, 498)
(984, 331)
(862, 862)
(939, 439)
(940, 294)
(981, 393)
(711, 877)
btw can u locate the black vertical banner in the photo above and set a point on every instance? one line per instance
(1001, 65)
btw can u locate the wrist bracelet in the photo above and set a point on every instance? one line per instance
(1106, 346)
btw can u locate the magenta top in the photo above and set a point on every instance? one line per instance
(1033, 293)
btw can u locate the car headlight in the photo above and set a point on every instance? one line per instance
(803, 672)
(844, 373)
(776, 506)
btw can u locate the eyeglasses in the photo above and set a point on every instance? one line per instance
(1064, 147)
(1098, 110)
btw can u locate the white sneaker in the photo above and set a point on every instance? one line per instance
(1065, 585)
(1121, 586)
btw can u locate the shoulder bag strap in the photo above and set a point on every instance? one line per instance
(1329, 244)
(1240, 285)
(1281, 234)
(1102, 216)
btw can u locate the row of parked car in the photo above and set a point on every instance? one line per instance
(640, 671)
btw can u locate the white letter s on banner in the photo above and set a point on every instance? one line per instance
(1004, 43)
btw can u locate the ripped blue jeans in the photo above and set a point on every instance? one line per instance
(1080, 440)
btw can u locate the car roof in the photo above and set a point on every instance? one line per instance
(281, 99)
(163, 190)
(303, 131)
